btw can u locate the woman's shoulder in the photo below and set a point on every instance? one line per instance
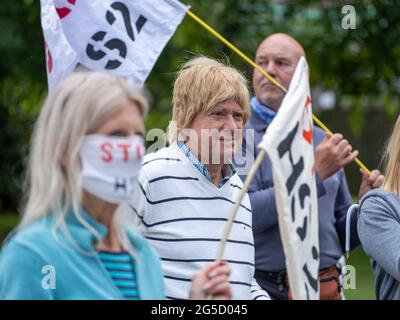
(379, 200)
(146, 253)
(35, 238)
(149, 268)
(26, 252)
(380, 196)
(141, 245)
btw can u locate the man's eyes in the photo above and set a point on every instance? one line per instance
(280, 63)
(283, 63)
(221, 114)
(238, 115)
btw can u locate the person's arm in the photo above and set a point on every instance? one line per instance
(22, 276)
(258, 293)
(379, 231)
(262, 196)
(342, 203)
(321, 191)
(139, 206)
(263, 205)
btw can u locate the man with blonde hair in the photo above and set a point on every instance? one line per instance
(189, 188)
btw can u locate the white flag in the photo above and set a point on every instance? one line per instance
(288, 142)
(61, 59)
(122, 37)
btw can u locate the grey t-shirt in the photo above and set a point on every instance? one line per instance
(379, 232)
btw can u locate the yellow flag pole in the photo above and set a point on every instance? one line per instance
(326, 129)
(234, 49)
(255, 66)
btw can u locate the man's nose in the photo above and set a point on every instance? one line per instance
(230, 123)
(271, 69)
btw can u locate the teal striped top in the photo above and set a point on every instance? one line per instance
(121, 268)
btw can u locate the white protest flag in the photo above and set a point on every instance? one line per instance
(61, 59)
(288, 142)
(122, 37)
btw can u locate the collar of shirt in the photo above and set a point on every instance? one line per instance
(80, 233)
(228, 169)
(265, 113)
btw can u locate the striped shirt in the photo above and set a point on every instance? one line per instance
(120, 267)
(183, 215)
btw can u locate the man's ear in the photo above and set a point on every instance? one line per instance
(178, 114)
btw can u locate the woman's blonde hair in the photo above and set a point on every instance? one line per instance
(391, 182)
(78, 106)
(200, 85)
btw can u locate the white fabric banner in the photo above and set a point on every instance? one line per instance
(288, 142)
(61, 59)
(122, 37)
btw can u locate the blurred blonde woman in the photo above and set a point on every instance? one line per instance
(71, 243)
(379, 224)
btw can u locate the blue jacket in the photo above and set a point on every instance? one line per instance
(25, 259)
(333, 202)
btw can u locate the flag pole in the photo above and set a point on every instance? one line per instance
(255, 66)
(234, 49)
(246, 184)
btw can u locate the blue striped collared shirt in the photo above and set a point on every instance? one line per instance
(202, 168)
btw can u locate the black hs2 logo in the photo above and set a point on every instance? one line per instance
(115, 43)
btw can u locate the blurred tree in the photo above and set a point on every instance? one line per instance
(361, 66)
(22, 87)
